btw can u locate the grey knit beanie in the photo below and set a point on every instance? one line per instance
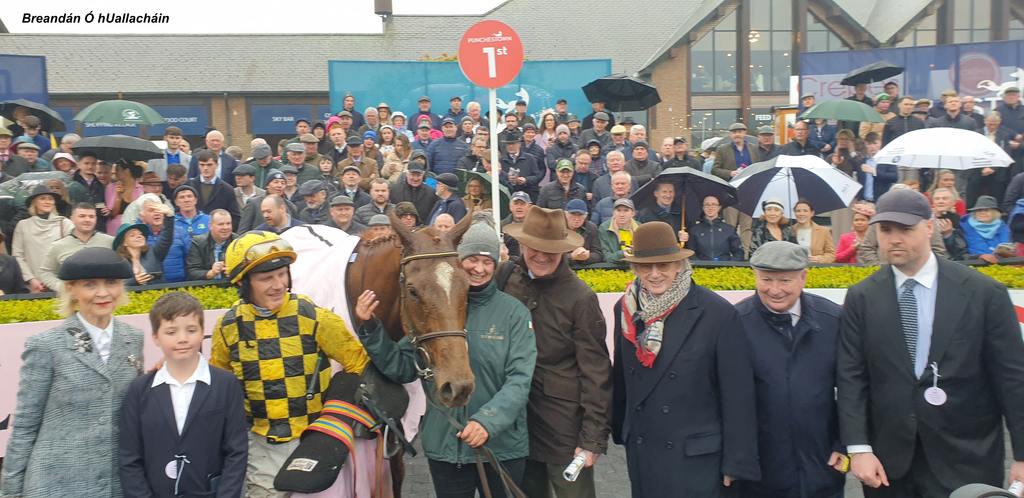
(480, 239)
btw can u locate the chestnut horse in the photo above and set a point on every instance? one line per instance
(423, 293)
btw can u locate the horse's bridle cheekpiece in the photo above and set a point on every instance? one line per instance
(425, 372)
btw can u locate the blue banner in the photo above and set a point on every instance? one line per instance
(981, 70)
(401, 83)
(23, 77)
(278, 119)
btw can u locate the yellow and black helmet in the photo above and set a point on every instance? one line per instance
(257, 251)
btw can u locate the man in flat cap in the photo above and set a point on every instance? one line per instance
(792, 337)
(930, 364)
(368, 167)
(448, 200)
(343, 212)
(314, 197)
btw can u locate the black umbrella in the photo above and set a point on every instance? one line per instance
(114, 148)
(693, 184)
(620, 92)
(876, 71)
(51, 120)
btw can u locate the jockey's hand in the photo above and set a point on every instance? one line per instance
(365, 305)
(473, 434)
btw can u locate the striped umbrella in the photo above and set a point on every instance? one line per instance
(788, 179)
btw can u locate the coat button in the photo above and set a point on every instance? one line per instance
(672, 374)
(639, 440)
(664, 409)
(640, 408)
(669, 445)
(632, 370)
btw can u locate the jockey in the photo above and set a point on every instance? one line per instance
(279, 344)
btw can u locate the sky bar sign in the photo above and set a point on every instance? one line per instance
(490, 54)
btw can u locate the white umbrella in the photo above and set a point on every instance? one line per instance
(788, 179)
(944, 148)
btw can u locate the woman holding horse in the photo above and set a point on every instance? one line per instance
(502, 354)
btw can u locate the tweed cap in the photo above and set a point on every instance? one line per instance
(779, 255)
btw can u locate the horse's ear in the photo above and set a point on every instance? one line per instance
(403, 232)
(456, 233)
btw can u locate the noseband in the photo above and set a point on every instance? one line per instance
(425, 372)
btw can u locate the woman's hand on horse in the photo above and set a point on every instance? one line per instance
(473, 434)
(365, 305)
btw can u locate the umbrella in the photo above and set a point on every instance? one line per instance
(18, 189)
(946, 148)
(843, 110)
(114, 148)
(465, 176)
(790, 178)
(51, 120)
(695, 186)
(120, 113)
(620, 92)
(876, 71)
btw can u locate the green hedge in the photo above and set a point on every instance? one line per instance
(723, 278)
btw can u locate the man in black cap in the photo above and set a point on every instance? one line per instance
(598, 131)
(929, 365)
(410, 187)
(597, 108)
(766, 146)
(562, 111)
(444, 154)
(793, 337)
(448, 201)
(348, 104)
(423, 112)
(681, 155)
(521, 114)
(520, 171)
(368, 168)
(245, 181)
(455, 111)
(212, 192)
(314, 196)
(642, 167)
(343, 215)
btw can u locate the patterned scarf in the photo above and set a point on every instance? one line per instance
(640, 306)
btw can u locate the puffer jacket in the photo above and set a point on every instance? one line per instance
(555, 196)
(502, 352)
(556, 151)
(443, 155)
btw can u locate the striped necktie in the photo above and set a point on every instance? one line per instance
(908, 317)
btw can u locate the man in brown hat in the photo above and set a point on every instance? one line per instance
(570, 396)
(684, 404)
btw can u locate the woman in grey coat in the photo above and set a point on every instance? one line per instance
(73, 379)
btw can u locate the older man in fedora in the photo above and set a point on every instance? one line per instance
(570, 396)
(684, 404)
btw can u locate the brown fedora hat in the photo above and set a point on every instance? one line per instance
(545, 230)
(655, 242)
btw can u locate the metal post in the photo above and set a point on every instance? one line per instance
(492, 96)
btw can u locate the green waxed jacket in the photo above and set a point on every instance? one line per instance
(502, 352)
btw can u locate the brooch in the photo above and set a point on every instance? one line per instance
(83, 341)
(135, 362)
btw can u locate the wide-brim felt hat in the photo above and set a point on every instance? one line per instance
(545, 230)
(41, 189)
(655, 242)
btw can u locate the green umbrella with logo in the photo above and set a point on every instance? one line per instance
(120, 113)
(843, 110)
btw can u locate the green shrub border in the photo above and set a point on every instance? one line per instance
(720, 278)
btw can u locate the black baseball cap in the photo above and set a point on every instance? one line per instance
(903, 206)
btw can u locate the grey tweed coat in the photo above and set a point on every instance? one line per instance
(64, 438)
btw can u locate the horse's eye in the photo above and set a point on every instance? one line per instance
(412, 293)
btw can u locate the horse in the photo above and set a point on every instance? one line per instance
(422, 293)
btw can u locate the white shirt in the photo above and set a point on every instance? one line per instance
(925, 292)
(803, 237)
(181, 393)
(101, 338)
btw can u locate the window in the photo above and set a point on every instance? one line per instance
(822, 39)
(1016, 30)
(711, 123)
(971, 20)
(713, 59)
(923, 35)
(771, 41)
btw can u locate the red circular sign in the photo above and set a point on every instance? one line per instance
(490, 54)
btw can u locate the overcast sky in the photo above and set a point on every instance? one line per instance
(222, 16)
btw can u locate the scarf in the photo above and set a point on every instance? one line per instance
(988, 230)
(640, 306)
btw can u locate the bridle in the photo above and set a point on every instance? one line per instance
(426, 371)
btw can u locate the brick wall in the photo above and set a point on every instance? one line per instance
(670, 78)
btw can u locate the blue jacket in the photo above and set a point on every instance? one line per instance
(453, 205)
(826, 135)
(977, 244)
(444, 154)
(174, 261)
(794, 386)
(198, 225)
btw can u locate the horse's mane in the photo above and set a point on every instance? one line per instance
(376, 242)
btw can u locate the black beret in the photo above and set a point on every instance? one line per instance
(94, 262)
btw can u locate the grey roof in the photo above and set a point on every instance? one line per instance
(694, 18)
(584, 29)
(882, 18)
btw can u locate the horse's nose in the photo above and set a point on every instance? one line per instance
(456, 393)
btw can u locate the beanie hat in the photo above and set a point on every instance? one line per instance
(480, 239)
(560, 128)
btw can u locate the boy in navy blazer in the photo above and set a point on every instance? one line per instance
(165, 450)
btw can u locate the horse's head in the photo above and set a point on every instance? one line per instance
(434, 291)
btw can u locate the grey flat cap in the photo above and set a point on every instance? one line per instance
(737, 126)
(379, 220)
(261, 152)
(342, 200)
(295, 147)
(311, 187)
(979, 491)
(779, 255)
